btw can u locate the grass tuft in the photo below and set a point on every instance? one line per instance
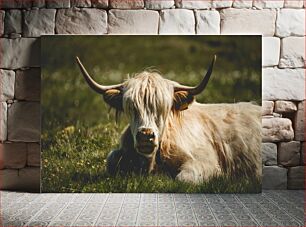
(74, 160)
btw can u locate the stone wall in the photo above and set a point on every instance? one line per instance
(281, 22)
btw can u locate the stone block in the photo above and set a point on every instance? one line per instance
(126, 4)
(271, 51)
(38, 3)
(262, 4)
(80, 3)
(56, 4)
(274, 177)
(13, 155)
(39, 22)
(159, 4)
(289, 153)
(20, 53)
(33, 154)
(81, 21)
(2, 15)
(192, 4)
(28, 84)
(26, 179)
(248, 21)
(292, 52)
(24, 122)
(277, 129)
(133, 22)
(99, 3)
(290, 22)
(208, 22)
(299, 122)
(303, 160)
(285, 106)
(283, 84)
(242, 4)
(13, 36)
(13, 21)
(293, 3)
(267, 107)
(221, 3)
(3, 121)
(7, 82)
(276, 115)
(15, 4)
(177, 21)
(296, 177)
(269, 154)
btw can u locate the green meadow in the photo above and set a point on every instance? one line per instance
(79, 129)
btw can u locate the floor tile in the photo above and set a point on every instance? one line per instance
(270, 208)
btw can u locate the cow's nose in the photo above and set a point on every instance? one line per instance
(145, 134)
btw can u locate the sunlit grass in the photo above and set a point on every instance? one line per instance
(79, 132)
(74, 160)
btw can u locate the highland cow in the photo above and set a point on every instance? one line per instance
(170, 132)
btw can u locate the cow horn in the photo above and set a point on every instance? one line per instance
(101, 89)
(198, 89)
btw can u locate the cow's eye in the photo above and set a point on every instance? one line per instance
(136, 112)
(136, 115)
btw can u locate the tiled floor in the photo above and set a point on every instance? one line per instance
(271, 208)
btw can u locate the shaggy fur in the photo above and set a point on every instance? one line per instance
(194, 141)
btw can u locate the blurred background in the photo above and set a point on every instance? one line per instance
(66, 97)
(79, 130)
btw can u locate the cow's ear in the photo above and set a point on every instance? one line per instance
(182, 99)
(114, 97)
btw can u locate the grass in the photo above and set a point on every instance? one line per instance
(74, 160)
(77, 134)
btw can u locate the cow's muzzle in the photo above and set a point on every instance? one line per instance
(146, 141)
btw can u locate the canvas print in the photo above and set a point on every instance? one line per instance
(151, 114)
